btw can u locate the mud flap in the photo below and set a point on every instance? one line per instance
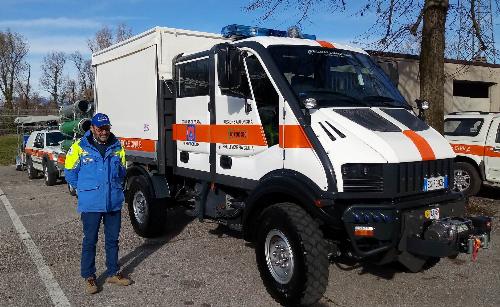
(411, 262)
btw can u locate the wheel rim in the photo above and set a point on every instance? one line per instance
(279, 256)
(140, 207)
(462, 180)
(46, 174)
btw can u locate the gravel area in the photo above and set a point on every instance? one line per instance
(201, 264)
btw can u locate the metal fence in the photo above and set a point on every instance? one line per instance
(7, 117)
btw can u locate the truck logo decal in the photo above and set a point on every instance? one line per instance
(191, 133)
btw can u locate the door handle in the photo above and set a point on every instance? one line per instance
(226, 162)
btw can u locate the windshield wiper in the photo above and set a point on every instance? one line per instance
(386, 101)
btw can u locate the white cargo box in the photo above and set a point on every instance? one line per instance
(127, 74)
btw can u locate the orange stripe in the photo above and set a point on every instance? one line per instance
(326, 44)
(61, 159)
(423, 147)
(290, 136)
(293, 136)
(476, 150)
(223, 134)
(138, 144)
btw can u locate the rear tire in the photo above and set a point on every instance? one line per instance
(467, 179)
(49, 173)
(291, 255)
(32, 172)
(147, 214)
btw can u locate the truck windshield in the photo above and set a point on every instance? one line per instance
(54, 138)
(462, 126)
(336, 78)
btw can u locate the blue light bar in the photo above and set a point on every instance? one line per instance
(239, 32)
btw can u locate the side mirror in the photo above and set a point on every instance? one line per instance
(229, 64)
(38, 144)
(422, 105)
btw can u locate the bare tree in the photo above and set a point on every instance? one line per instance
(398, 23)
(13, 50)
(23, 87)
(89, 75)
(122, 33)
(70, 92)
(102, 39)
(52, 78)
(79, 62)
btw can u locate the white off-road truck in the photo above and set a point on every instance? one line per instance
(475, 138)
(44, 155)
(304, 145)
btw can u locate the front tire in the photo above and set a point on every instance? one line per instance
(291, 255)
(467, 179)
(49, 173)
(147, 214)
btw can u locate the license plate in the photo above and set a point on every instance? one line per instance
(435, 183)
(432, 214)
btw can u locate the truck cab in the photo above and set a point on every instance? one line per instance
(43, 152)
(304, 145)
(475, 138)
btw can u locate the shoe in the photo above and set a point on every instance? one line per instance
(118, 279)
(90, 285)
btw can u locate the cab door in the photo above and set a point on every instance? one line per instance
(492, 152)
(246, 130)
(38, 146)
(191, 130)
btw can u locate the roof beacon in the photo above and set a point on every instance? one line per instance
(240, 32)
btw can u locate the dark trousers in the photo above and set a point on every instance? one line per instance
(91, 223)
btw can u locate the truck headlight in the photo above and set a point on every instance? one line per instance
(364, 177)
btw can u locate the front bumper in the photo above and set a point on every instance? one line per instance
(424, 227)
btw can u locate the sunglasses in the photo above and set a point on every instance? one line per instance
(102, 128)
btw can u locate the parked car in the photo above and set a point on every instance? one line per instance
(475, 138)
(43, 152)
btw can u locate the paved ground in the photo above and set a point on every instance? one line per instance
(197, 264)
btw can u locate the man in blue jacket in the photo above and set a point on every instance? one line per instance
(95, 166)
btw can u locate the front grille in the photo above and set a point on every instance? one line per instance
(411, 174)
(363, 185)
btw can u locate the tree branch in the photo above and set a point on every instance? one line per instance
(475, 25)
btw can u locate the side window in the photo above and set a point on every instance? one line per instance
(38, 141)
(497, 140)
(193, 79)
(266, 98)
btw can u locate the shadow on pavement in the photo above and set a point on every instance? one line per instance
(176, 222)
(489, 192)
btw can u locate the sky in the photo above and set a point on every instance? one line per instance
(66, 25)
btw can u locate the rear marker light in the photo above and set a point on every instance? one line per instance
(364, 231)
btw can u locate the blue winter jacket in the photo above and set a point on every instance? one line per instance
(98, 181)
